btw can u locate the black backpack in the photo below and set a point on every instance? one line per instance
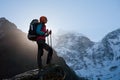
(32, 35)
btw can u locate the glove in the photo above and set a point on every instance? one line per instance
(47, 33)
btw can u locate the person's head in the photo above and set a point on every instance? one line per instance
(43, 19)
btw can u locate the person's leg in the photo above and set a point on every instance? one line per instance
(50, 52)
(49, 56)
(40, 54)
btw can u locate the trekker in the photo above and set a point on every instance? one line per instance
(42, 33)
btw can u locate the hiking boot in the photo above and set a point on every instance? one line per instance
(40, 74)
(40, 68)
(49, 60)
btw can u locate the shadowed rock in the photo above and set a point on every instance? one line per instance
(50, 72)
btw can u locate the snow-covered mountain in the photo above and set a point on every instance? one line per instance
(94, 60)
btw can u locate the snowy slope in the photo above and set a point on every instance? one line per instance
(100, 60)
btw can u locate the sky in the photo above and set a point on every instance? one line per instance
(93, 18)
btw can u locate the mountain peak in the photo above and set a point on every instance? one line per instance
(113, 34)
(6, 24)
(3, 19)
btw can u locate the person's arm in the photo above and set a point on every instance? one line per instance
(38, 30)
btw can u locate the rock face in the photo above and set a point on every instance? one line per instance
(57, 71)
(95, 60)
(16, 52)
(18, 55)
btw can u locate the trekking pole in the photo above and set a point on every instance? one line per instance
(48, 40)
(51, 38)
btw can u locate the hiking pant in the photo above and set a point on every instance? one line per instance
(42, 45)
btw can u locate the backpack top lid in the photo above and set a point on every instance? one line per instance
(34, 21)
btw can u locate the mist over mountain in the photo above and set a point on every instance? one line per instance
(94, 60)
